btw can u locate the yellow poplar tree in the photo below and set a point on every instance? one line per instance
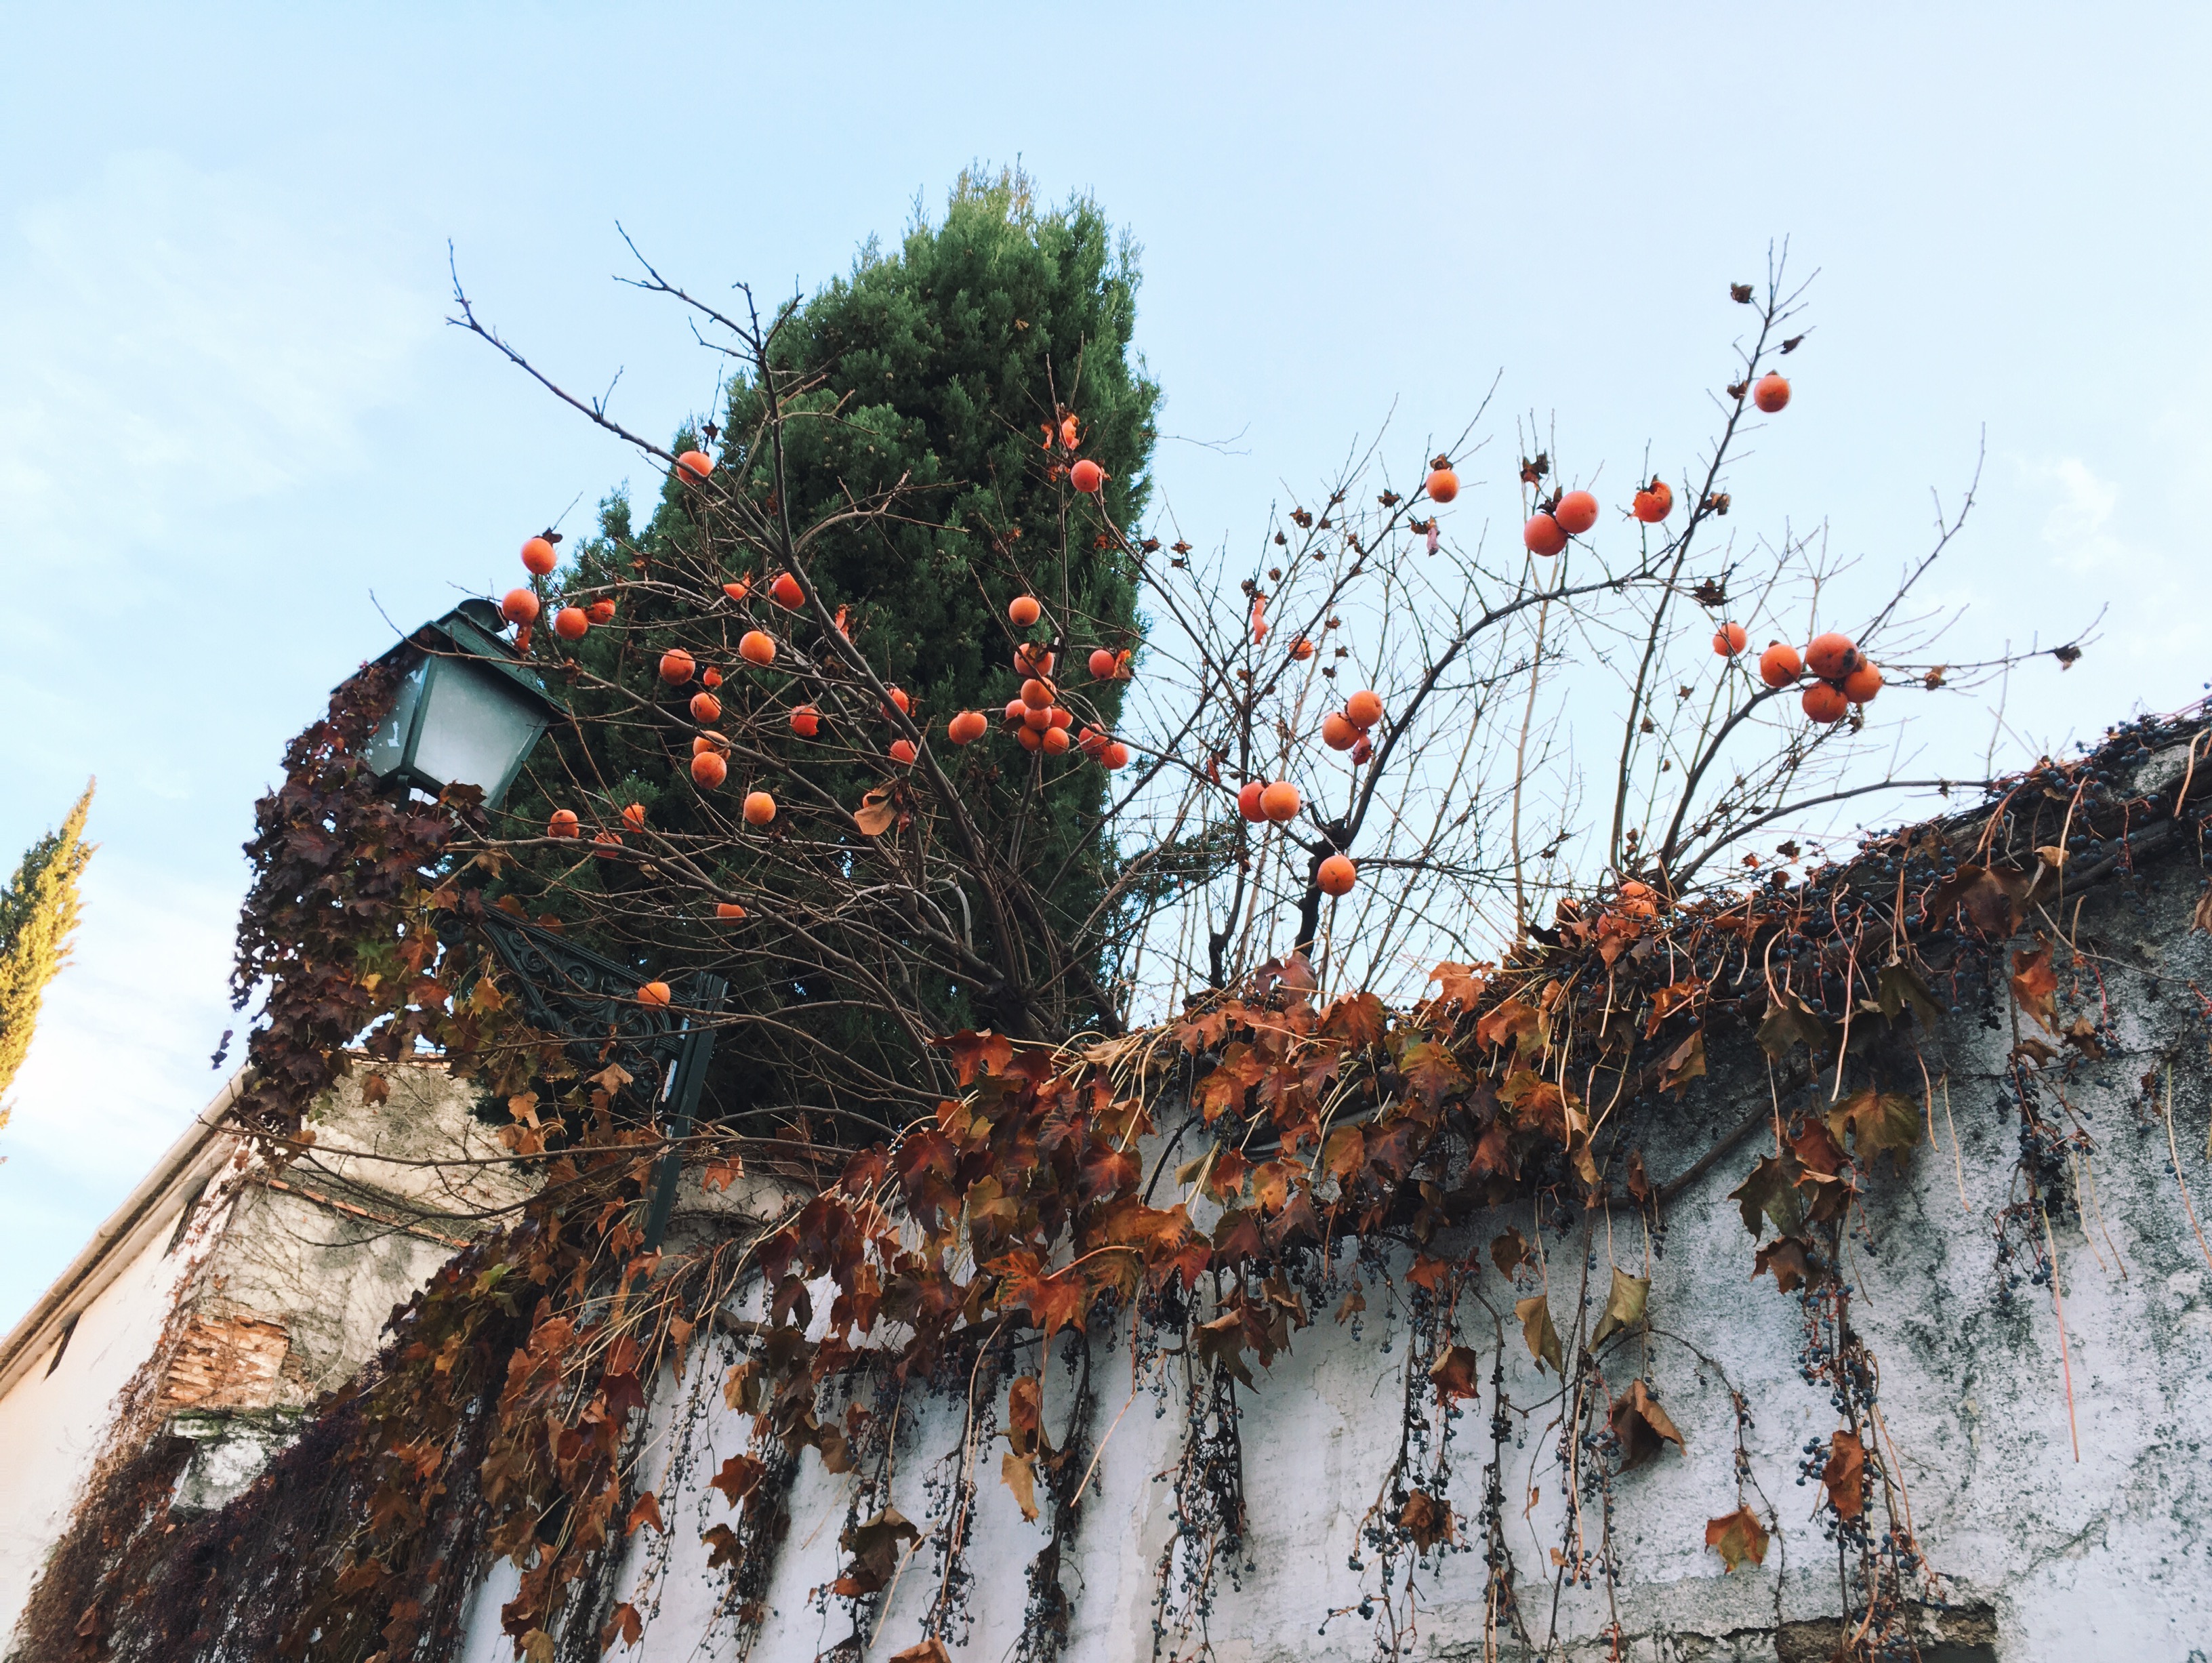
(39, 913)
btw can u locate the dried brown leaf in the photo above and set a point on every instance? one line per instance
(1535, 1314)
(1624, 1305)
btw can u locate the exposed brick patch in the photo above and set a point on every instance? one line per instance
(227, 1361)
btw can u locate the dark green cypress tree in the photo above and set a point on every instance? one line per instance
(934, 376)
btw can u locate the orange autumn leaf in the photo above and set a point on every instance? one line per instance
(1737, 1536)
(1641, 1425)
(1509, 1021)
(739, 1474)
(2034, 987)
(975, 1054)
(1845, 1475)
(623, 1624)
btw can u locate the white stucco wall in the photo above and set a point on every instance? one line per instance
(2103, 1557)
(53, 1426)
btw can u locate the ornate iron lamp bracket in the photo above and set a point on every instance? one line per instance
(590, 1001)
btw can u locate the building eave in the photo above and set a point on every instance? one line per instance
(207, 1142)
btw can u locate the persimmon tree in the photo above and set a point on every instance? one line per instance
(896, 443)
(829, 606)
(1117, 930)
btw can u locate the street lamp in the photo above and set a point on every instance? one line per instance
(467, 711)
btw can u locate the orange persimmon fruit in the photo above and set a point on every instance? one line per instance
(1654, 502)
(1779, 666)
(1824, 702)
(1832, 656)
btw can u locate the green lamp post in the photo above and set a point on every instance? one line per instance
(468, 712)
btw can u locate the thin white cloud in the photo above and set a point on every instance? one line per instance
(2078, 526)
(120, 1058)
(182, 346)
(178, 340)
(2150, 585)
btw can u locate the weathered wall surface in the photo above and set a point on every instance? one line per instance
(386, 1194)
(294, 1294)
(244, 1301)
(2048, 1555)
(55, 1420)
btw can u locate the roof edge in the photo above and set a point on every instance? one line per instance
(203, 1146)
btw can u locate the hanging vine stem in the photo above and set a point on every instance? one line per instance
(1046, 1618)
(1745, 1478)
(1208, 1511)
(1411, 1515)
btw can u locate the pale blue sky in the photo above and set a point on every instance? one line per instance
(230, 410)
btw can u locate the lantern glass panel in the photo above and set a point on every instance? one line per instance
(476, 725)
(387, 746)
